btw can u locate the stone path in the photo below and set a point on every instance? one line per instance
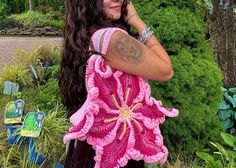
(9, 45)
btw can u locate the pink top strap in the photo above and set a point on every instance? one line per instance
(107, 37)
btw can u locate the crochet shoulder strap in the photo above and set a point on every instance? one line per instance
(96, 38)
(96, 62)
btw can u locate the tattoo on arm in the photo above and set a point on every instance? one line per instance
(128, 49)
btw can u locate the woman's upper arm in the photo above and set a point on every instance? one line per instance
(127, 54)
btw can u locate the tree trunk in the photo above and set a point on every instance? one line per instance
(30, 5)
(222, 29)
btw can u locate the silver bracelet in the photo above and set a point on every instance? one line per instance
(145, 35)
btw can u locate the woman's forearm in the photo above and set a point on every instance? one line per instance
(152, 43)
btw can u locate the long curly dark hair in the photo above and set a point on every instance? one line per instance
(82, 19)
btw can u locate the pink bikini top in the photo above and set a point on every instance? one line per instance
(119, 118)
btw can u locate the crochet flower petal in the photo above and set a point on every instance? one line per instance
(133, 87)
(101, 69)
(107, 89)
(104, 128)
(148, 144)
(103, 105)
(170, 112)
(79, 131)
(150, 115)
(114, 154)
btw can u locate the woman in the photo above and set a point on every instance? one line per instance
(144, 57)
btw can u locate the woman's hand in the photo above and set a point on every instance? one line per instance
(132, 15)
(133, 18)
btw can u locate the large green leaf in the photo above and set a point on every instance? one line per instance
(225, 114)
(217, 164)
(227, 96)
(221, 149)
(227, 123)
(233, 101)
(231, 154)
(230, 98)
(224, 105)
(229, 139)
(205, 156)
(232, 90)
(223, 89)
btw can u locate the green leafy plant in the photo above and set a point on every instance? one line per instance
(57, 54)
(9, 23)
(187, 162)
(16, 6)
(17, 157)
(38, 19)
(15, 73)
(227, 109)
(3, 10)
(3, 148)
(39, 55)
(50, 142)
(35, 60)
(41, 96)
(224, 156)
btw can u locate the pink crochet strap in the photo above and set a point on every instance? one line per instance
(97, 37)
(107, 37)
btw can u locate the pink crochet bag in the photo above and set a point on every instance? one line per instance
(119, 118)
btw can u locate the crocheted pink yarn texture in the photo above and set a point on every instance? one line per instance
(119, 118)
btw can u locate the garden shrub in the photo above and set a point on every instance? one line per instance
(25, 59)
(17, 157)
(49, 5)
(18, 6)
(2, 144)
(196, 6)
(41, 54)
(177, 28)
(20, 71)
(57, 55)
(195, 88)
(15, 73)
(38, 60)
(3, 10)
(8, 23)
(43, 97)
(195, 91)
(4, 100)
(55, 123)
(51, 72)
(38, 19)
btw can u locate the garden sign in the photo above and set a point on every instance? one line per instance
(32, 124)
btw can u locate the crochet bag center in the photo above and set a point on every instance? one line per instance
(119, 118)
